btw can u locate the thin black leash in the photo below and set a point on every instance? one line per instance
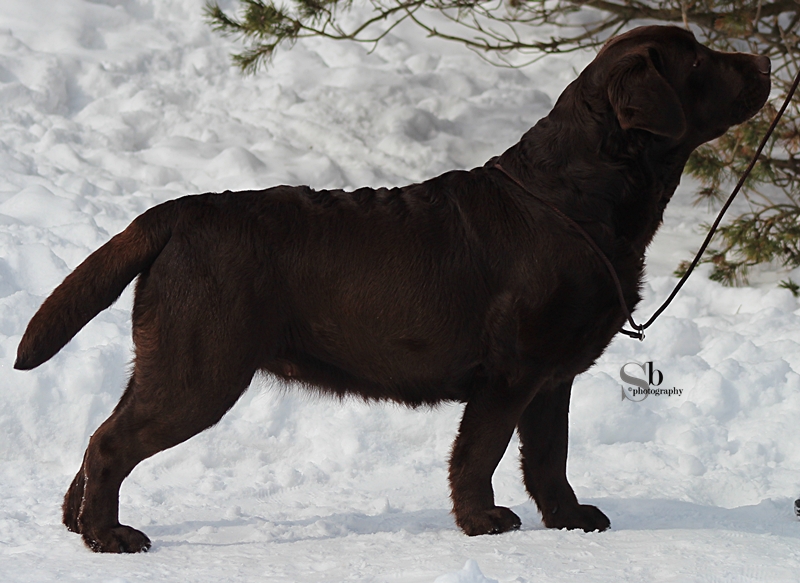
(640, 328)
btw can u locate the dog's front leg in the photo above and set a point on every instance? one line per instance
(543, 434)
(486, 428)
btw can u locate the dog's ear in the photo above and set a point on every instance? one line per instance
(642, 98)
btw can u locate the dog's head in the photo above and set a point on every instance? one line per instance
(661, 80)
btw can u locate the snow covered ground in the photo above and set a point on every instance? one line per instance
(108, 107)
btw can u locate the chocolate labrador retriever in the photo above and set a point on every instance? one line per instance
(468, 287)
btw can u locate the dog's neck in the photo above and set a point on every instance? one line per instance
(603, 176)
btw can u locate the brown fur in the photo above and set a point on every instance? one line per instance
(461, 288)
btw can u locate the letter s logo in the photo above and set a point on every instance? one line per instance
(632, 380)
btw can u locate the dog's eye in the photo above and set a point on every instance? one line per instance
(696, 63)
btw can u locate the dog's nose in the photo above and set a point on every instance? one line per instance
(764, 65)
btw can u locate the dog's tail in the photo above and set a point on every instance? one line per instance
(95, 285)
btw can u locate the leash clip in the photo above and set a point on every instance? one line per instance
(638, 334)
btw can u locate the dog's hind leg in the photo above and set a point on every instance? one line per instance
(74, 498)
(486, 428)
(74, 505)
(149, 418)
(543, 434)
(193, 361)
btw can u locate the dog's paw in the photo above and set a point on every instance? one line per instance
(492, 521)
(119, 539)
(583, 516)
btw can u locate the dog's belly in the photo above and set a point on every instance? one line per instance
(342, 380)
(398, 347)
(381, 358)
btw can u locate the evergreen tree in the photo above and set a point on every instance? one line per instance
(501, 30)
